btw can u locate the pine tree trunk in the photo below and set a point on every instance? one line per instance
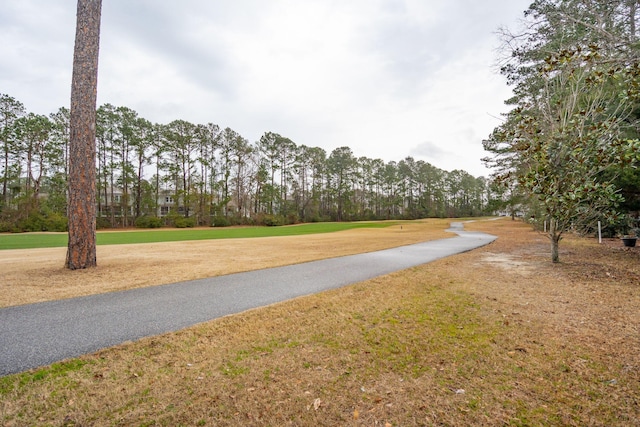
(81, 251)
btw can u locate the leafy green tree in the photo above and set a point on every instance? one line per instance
(574, 93)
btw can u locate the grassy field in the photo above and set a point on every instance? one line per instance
(495, 336)
(54, 240)
(35, 275)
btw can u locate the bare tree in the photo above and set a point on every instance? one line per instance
(81, 251)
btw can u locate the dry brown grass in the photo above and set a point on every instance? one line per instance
(496, 336)
(34, 275)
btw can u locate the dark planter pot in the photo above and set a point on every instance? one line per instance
(629, 242)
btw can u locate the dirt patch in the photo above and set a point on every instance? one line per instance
(508, 262)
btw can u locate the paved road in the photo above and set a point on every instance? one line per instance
(39, 334)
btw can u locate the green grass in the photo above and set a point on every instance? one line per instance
(57, 371)
(53, 240)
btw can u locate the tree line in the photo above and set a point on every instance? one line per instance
(188, 174)
(568, 151)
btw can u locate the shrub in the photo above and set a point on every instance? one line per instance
(182, 222)
(149, 222)
(56, 222)
(102, 222)
(249, 221)
(5, 226)
(33, 222)
(293, 218)
(43, 221)
(273, 220)
(176, 220)
(220, 221)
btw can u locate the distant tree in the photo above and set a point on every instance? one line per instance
(407, 171)
(391, 198)
(39, 153)
(142, 144)
(340, 168)
(300, 186)
(127, 138)
(60, 137)
(81, 250)
(241, 152)
(228, 142)
(208, 142)
(377, 168)
(107, 122)
(303, 176)
(10, 111)
(181, 139)
(268, 148)
(286, 157)
(432, 196)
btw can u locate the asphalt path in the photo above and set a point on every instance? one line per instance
(39, 334)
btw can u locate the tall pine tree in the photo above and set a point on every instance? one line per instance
(81, 251)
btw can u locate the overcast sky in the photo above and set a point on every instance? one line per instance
(387, 78)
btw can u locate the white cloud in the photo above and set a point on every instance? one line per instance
(380, 76)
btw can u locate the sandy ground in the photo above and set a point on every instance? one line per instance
(34, 275)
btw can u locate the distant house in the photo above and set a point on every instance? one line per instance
(113, 202)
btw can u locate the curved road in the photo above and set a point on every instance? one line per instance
(39, 334)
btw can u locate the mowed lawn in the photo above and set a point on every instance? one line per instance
(54, 240)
